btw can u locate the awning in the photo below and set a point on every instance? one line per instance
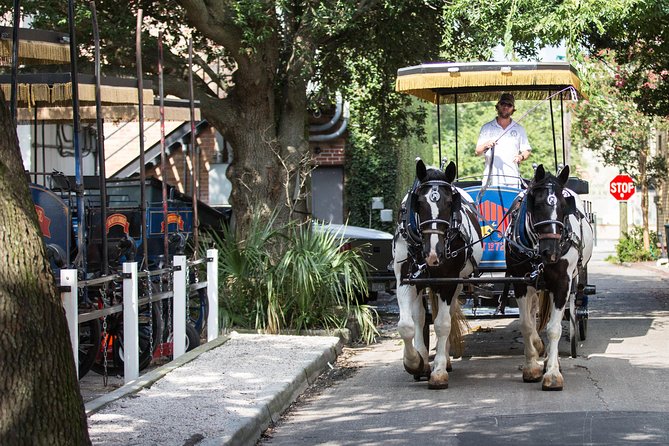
(55, 89)
(484, 81)
(35, 47)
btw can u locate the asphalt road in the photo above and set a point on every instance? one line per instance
(616, 390)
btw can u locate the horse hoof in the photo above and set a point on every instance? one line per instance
(552, 383)
(418, 371)
(438, 381)
(532, 375)
(434, 384)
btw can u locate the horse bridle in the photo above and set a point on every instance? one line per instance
(552, 200)
(434, 196)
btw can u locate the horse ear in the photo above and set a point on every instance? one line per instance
(421, 170)
(564, 175)
(540, 173)
(450, 172)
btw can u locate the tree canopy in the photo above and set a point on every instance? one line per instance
(276, 59)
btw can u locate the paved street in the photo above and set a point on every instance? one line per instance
(615, 391)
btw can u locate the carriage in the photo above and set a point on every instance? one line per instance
(488, 290)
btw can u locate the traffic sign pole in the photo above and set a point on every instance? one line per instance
(623, 218)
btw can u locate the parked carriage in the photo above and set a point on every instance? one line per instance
(92, 224)
(501, 213)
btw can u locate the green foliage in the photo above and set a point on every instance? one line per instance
(630, 247)
(291, 277)
(610, 125)
(639, 38)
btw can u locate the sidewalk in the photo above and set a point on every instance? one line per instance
(225, 392)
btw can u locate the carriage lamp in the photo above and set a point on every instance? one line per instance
(377, 203)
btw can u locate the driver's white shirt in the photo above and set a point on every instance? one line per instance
(504, 170)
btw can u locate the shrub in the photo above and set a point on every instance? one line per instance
(291, 277)
(630, 246)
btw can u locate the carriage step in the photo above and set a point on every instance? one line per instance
(590, 290)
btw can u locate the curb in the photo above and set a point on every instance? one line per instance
(148, 379)
(249, 432)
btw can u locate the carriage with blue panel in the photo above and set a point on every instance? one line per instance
(489, 291)
(56, 203)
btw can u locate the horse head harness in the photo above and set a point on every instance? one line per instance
(412, 229)
(563, 231)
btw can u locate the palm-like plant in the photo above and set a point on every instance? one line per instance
(292, 277)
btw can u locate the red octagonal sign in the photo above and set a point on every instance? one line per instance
(622, 187)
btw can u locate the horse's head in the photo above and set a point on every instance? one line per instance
(547, 211)
(434, 203)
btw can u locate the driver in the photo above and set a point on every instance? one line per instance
(510, 143)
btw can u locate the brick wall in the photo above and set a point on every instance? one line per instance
(328, 153)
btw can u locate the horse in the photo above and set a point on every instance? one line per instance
(437, 236)
(549, 239)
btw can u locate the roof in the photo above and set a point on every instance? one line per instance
(443, 82)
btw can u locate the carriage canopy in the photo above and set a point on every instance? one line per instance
(443, 83)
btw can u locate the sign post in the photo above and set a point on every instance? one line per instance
(622, 188)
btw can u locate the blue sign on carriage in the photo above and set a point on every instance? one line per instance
(493, 206)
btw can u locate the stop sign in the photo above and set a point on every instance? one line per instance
(622, 187)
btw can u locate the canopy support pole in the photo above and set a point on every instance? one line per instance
(142, 163)
(457, 150)
(78, 159)
(439, 129)
(15, 59)
(102, 171)
(564, 142)
(550, 101)
(163, 156)
(195, 164)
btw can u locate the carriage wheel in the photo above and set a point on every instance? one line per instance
(582, 327)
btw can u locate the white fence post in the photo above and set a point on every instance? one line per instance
(68, 277)
(212, 294)
(179, 313)
(130, 322)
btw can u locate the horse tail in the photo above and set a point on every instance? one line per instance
(459, 326)
(544, 309)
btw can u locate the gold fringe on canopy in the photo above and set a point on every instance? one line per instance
(435, 84)
(61, 94)
(35, 52)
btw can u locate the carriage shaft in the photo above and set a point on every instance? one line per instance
(449, 280)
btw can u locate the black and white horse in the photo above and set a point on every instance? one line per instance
(550, 238)
(438, 236)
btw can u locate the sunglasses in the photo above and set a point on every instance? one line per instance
(505, 104)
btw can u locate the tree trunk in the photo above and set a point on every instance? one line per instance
(40, 402)
(270, 152)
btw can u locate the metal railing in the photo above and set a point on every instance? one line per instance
(70, 287)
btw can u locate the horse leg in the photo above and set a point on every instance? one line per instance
(553, 379)
(410, 318)
(527, 305)
(442, 328)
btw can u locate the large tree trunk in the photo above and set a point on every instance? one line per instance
(40, 402)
